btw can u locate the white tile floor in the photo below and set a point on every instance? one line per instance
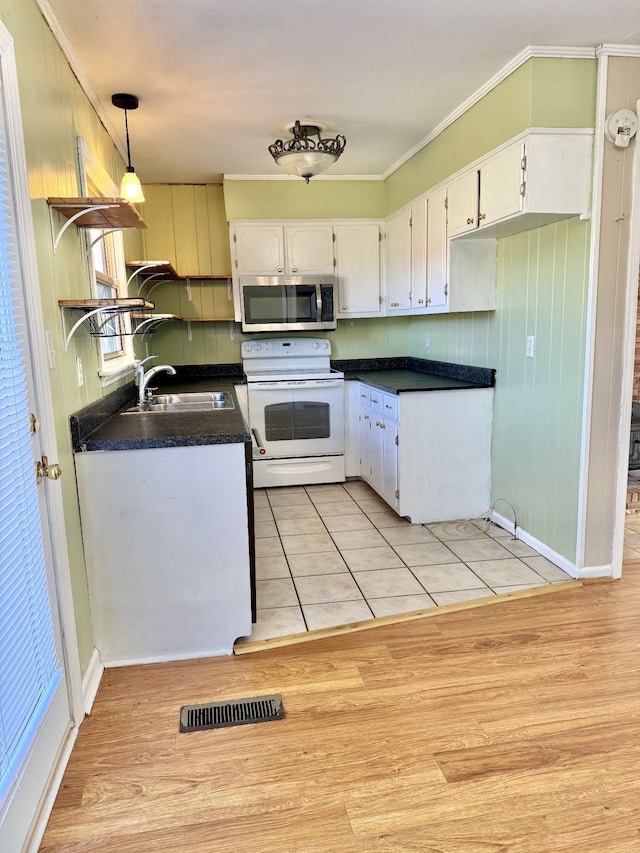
(328, 555)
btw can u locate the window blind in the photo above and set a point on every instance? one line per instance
(29, 669)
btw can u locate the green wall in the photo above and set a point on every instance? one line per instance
(294, 199)
(542, 92)
(55, 111)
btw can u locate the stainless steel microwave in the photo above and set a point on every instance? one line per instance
(283, 303)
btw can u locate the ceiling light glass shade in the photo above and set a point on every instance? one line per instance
(305, 164)
(130, 187)
(303, 156)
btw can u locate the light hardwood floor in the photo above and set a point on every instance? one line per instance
(508, 727)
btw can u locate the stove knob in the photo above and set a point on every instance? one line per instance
(316, 345)
(325, 344)
(257, 346)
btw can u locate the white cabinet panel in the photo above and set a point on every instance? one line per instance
(437, 250)
(462, 197)
(419, 256)
(258, 249)
(502, 185)
(357, 249)
(309, 249)
(397, 287)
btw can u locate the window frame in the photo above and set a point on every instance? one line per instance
(93, 176)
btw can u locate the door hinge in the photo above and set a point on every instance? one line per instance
(523, 163)
(235, 239)
(523, 188)
(397, 494)
(236, 263)
(397, 442)
(446, 288)
(34, 424)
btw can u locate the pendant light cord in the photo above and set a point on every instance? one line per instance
(126, 131)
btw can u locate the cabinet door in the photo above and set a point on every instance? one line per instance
(462, 197)
(309, 249)
(397, 285)
(419, 255)
(259, 249)
(357, 250)
(501, 178)
(437, 250)
(365, 443)
(389, 485)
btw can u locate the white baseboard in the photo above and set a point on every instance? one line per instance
(91, 681)
(205, 653)
(551, 555)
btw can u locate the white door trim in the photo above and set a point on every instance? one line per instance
(628, 358)
(42, 388)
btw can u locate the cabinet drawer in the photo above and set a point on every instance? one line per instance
(376, 398)
(363, 395)
(390, 406)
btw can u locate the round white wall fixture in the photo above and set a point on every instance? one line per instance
(620, 127)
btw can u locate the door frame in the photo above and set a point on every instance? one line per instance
(63, 595)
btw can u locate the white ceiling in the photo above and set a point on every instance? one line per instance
(219, 80)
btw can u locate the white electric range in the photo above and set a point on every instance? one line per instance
(296, 411)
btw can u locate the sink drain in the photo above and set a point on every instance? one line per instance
(218, 715)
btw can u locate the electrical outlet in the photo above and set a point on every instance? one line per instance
(530, 345)
(427, 341)
(79, 371)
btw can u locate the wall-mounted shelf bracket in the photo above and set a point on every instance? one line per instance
(102, 213)
(94, 313)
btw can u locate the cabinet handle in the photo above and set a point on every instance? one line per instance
(280, 269)
(373, 400)
(470, 220)
(420, 301)
(344, 307)
(294, 269)
(482, 216)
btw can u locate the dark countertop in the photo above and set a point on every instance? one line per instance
(397, 381)
(118, 431)
(104, 426)
(402, 374)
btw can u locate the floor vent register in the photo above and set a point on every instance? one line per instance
(239, 712)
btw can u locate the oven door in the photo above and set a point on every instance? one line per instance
(297, 417)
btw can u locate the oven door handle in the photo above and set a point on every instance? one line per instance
(261, 448)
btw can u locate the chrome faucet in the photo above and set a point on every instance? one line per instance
(143, 379)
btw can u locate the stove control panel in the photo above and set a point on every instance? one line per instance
(286, 348)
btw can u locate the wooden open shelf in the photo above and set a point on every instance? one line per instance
(98, 212)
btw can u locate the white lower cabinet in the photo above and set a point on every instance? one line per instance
(428, 453)
(166, 543)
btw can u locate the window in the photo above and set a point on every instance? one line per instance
(109, 272)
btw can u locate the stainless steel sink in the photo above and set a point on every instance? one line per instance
(198, 401)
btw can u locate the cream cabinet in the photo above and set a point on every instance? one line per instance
(357, 253)
(415, 259)
(428, 453)
(348, 249)
(379, 442)
(276, 249)
(540, 177)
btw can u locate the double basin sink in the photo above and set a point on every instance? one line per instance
(197, 401)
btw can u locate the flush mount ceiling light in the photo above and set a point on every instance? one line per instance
(305, 156)
(130, 185)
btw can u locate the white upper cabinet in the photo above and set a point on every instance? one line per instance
(274, 249)
(437, 251)
(309, 249)
(397, 285)
(357, 251)
(542, 176)
(419, 265)
(462, 201)
(257, 249)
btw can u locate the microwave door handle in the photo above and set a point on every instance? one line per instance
(318, 303)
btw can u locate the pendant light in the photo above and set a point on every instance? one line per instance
(304, 156)
(130, 188)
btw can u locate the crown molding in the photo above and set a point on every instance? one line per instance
(618, 50)
(530, 52)
(297, 178)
